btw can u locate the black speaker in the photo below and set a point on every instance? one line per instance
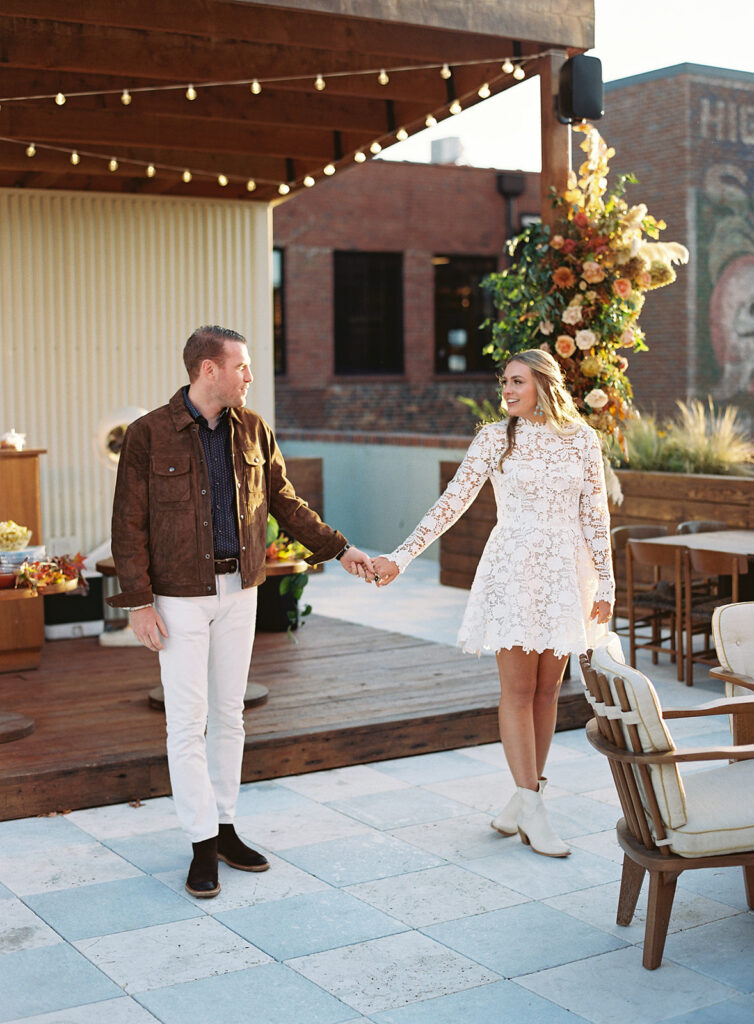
(580, 93)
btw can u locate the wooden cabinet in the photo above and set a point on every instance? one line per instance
(21, 616)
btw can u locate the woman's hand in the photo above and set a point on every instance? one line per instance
(386, 571)
(601, 611)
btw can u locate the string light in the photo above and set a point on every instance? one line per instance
(319, 83)
(455, 107)
(31, 149)
(125, 98)
(251, 185)
(375, 148)
(383, 78)
(359, 156)
(112, 165)
(507, 67)
(445, 72)
(151, 170)
(255, 87)
(284, 189)
(191, 93)
(187, 176)
(60, 99)
(484, 91)
(329, 170)
(401, 135)
(222, 180)
(519, 74)
(309, 181)
(75, 158)
(430, 120)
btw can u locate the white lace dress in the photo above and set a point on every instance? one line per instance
(548, 557)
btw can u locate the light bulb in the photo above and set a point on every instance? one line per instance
(519, 73)
(430, 120)
(186, 176)
(359, 156)
(309, 181)
(484, 91)
(151, 170)
(375, 148)
(284, 189)
(31, 149)
(455, 107)
(60, 99)
(445, 72)
(75, 158)
(507, 66)
(401, 135)
(329, 170)
(251, 185)
(222, 180)
(255, 87)
(112, 165)
(383, 78)
(125, 97)
(319, 83)
(191, 93)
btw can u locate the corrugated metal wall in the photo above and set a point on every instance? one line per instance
(98, 294)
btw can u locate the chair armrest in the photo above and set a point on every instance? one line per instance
(743, 753)
(719, 672)
(724, 706)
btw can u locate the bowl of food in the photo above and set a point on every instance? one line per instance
(13, 537)
(7, 580)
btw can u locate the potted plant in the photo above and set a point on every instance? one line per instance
(278, 600)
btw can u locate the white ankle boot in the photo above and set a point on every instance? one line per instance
(506, 823)
(534, 826)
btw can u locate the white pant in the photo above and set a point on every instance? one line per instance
(205, 667)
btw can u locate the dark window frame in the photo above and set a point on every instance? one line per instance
(368, 315)
(457, 279)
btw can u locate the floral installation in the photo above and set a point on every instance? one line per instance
(577, 291)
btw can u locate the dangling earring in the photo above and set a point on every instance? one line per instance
(538, 410)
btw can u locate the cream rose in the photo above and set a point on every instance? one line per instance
(585, 339)
(596, 398)
(546, 327)
(572, 315)
(592, 272)
(628, 338)
(556, 242)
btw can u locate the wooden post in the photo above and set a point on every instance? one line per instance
(556, 156)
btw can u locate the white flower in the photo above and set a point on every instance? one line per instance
(596, 398)
(585, 339)
(572, 315)
(546, 327)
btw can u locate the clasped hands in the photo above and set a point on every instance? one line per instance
(378, 570)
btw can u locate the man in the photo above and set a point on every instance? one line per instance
(196, 479)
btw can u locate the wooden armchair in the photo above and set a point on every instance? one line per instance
(733, 634)
(619, 537)
(716, 567)
(661, 606)
(669, 825)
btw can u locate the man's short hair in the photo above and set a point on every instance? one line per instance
(207, 343)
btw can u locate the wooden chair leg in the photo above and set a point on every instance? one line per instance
(630, 887)
(749, 885)
(661, 893)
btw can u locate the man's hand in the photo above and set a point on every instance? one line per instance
(386, 570)
(147, 626)
(601, 611)
(357, 563)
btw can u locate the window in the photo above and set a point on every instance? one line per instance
(278, 309)
(368, 312)
(461, 305)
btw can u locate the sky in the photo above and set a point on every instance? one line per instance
(630, 38)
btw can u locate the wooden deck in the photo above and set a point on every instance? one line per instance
(344, 694)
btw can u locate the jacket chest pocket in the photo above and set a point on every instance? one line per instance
(253, 468)
(171, 479)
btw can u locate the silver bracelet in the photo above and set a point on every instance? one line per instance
(138, 608)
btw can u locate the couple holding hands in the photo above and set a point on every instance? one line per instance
(196, 480)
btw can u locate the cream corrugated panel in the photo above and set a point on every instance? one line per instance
(98, 294)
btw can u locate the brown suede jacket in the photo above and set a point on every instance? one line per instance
(162, 522)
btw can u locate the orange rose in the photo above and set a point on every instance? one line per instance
(556, 242)
(564, 346)
(628, 338)
(563, 278)
(622, 288)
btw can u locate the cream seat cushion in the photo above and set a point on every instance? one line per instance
(719, 812)
(733, 633)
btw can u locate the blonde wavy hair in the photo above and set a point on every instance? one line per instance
(556, 403)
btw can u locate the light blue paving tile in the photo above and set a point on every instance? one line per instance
(359, 858)
(575, 739)
(739, 1010)
(541, 877)
(271, 994)
(109, 907)
(310, 923)
(400, 807)
(6, 894)
(726, 885)
(28, 834)
(521, 939)
(35, 981)
(168, 850)
(437, 767)
(490, 1004)
(582, 774)
(111, 1011)
(721, 949)
(580, 816)
(267, 798)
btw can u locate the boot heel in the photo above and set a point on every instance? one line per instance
(524, 838)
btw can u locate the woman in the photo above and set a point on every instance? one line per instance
(545, 579)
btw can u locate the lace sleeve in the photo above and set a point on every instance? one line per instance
(452, 503)
(595, 518)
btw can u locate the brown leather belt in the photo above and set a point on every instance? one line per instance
(225, 565)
